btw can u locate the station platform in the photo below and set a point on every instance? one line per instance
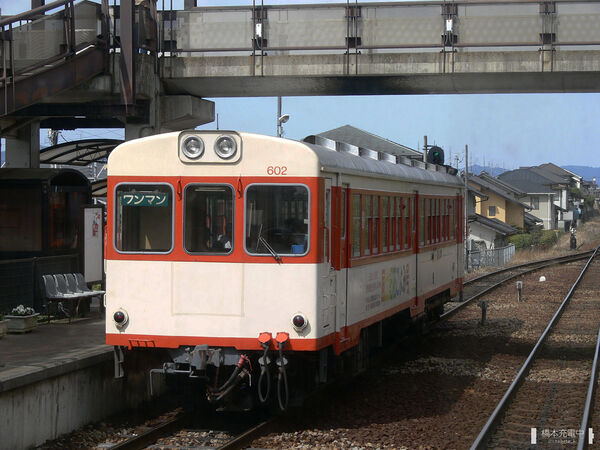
(51, 350)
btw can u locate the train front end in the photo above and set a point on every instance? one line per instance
(212, 254)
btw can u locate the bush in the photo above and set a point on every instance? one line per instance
(543, 238)
(548, 238)
(521, 241)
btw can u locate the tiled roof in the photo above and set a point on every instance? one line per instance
(527, 181)
(496, 189)
(497, 225)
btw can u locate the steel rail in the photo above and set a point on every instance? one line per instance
(490, 426)
(589, 401)
(151, 436)
(536, 266)
(242, 440)
(539, 261)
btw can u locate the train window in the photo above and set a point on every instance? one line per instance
(398, 222)
(452, 218)
(277, 220)
(385, 204)
(377, 228)
(356, 228)
(144, 218)
(343, 212)
(208, 218)
(422, 221)
(409, 212)
(368, 230)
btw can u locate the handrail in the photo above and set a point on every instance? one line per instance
(33, 12)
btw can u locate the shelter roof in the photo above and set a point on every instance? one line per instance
(79, 153)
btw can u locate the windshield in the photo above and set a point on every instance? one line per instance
(277, 217)
(208, 219)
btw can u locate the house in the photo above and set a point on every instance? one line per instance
(561, 185)
(484, 232)
(572, 179)
(502, 201)
(540, 190)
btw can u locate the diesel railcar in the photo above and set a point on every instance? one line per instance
(256, 261)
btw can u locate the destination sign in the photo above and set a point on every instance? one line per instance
(139, 199)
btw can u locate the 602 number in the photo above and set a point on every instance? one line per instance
(277, 170)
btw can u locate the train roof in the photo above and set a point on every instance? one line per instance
(338, 156)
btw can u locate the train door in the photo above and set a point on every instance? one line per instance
(340, 251)
(327, 273)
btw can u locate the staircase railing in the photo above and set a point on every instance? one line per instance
(32, 42)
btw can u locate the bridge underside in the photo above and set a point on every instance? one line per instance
(376, 74)
(457, 83)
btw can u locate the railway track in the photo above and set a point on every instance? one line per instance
(549, 401)
(180, 432)
(481, 285)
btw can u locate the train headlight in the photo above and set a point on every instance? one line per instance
(193, 147)
(299, 322)
(225, 147)
(121, 318)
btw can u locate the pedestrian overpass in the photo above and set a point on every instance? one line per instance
(69, 64)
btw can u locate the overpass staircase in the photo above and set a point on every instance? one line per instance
(43, 55)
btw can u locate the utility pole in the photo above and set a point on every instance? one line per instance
(465, 206)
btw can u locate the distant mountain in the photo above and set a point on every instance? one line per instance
(477, 169)
(588, 173)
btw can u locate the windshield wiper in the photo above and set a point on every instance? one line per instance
(267, 246)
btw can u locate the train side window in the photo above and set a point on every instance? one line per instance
(343, 212)
(144, 218)
(422, 221)
(400, 202)
(277, 220)
(376, 226)
(409, 215)
(368, 230)
(356, 221)
(452, 219)
(385, 204)
(208, 218)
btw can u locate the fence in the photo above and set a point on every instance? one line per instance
(492, 257)
(20, 279)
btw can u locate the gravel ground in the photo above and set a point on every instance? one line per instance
(440, 394)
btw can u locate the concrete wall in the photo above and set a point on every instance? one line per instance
(42, 403)
(481, 233)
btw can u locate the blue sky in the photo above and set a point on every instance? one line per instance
(507, 130)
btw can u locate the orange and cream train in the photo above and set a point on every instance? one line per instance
(256, 260)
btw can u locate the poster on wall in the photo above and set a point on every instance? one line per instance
(93, 235)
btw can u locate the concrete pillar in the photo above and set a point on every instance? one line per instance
(23, 147)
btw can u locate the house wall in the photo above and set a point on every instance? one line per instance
(493, 200)
(515, 215)
(477, 232)
(545, 210)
